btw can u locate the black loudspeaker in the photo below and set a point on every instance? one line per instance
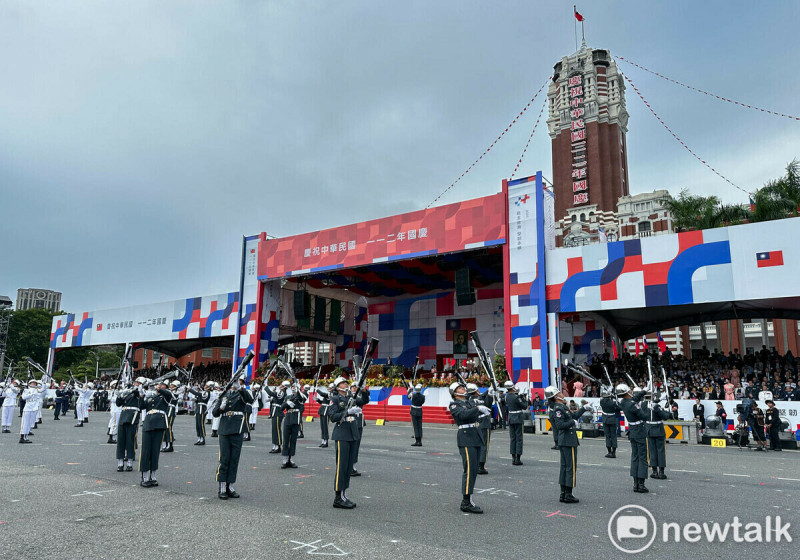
(302, 305)
(465, 295)
(565, 347)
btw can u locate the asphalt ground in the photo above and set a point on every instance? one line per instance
(61, 497)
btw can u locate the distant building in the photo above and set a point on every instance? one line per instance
(36, 298)
(5, 302)
(643, 215)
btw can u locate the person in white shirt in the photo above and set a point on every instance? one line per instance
(10, 395)
(82, 404)
(32, 395)
(211, 401)
(114, 412)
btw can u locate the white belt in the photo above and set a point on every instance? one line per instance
(515, 411)
(349, 419)
(652, 423)
(634, 423)
(154, 411)
(292, 410)
(233, 414)
(412, 406)
(129, 408)
(465, 426)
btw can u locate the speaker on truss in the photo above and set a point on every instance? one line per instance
(465, 295)
(302, 305)
(565, 347)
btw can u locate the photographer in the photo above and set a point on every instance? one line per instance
(754, 418)
(773, 423)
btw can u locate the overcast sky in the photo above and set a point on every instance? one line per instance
(140, 140)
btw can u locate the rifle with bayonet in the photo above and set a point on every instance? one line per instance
(362, 370)
(486, 363)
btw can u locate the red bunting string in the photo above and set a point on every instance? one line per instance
(681, 142)
(487, 150)
(519, 162)
(704, 92)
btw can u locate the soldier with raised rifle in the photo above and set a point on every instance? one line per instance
(129, 402)
(417, 400)
(610, 408)
(470, 439)
(656, 438)
(292, 418)
(200, 411)
(568, 443)
(324, 399)
(484, 422)
(276, 413)
(635, 417)
(517, 405)
(362, 400)
(346, 434)
(154, 426)
(169, 437)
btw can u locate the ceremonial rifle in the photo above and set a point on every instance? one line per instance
(238, 371)
(414, 372)
(362, 370)
(124, 365)
(486, 363)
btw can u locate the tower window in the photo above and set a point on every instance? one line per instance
(574, 218)
(583, 217)
(644, 226)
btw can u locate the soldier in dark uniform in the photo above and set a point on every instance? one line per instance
(517, 405)
(230, 408)
(306, 392)
(324, 400)
(699, 411)
(465, 413)
(552, 415)
(292, 417)
(610, 408)
(154, 426)
(201, 398)
(169, 437)
(772, 421)
(346, 434)
(657, 440)
(130, 403)
(361, 402)
(635, 417)
(567, 442)
(61, 397)
(484, 422)
(276, 413)
(417, 400)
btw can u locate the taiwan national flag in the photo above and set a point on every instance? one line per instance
(662, 346)
(771, 258)
(614, 348)
(644, 344)
(638, 347)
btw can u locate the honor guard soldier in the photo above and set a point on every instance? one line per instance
(276, 413)
(60, 402)
(10, 393)
(635, 417)
(32, 395)
(346, 434)
(517, 405)
(465, 414)
(361, 402)
(215, 395)
(201, 410)
(130, 403)
(230, 408)
(169, 438)
(610, 408)
(552, 415)
(567, 442)
(657, 439)
(305, 392)
(113, 413)
(154, 426)
(324, 400)
(258, 404)
(417, 400)
(82, 403)
(484, 423)
(292, 418)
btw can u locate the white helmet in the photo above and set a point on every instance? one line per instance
(454, 386)
(174, 383)
(33, 382)
(140, 380)
(306, 387)
(285, 383)
(606, 391)
(471, 388)
(113, 383)
(90, 385)
(338, 381)
(243, 378)
(623, 389)
(508, 384)
(418, 387)
(331, 386)
(550, 392)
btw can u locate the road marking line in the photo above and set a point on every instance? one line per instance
(792, 479)
(731, 474)
(681, 470)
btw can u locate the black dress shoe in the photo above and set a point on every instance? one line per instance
(355, 473)
(145, 484)
(569, 498)
(554, 447)
(285, 465)
(482, 470)
(128, 468)
(222, 495)
(469, 507)
(153, 483)
(292, 465)
(343, 504)
(120, 468)
(273, 451)
(232, 494)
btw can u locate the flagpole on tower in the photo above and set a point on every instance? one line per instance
(575, 22)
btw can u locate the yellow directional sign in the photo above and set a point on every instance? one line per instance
(547, 426)
(379, 422)
(580, 434)
(309, 418)
(719, 442)
(673, 432)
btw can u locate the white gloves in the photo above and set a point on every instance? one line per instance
(224, 404)
(318, 399)
(353, 411)
(577, 424)
(290, 404)
(484, 409)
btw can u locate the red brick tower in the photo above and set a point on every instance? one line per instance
(587, 121)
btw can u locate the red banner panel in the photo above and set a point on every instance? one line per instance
(471, 224)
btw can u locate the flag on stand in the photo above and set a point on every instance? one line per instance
(614, 348)
(752, 204)
(638, 348)
(578, 16)
(645, 347)
(601, 233)
(662, 346)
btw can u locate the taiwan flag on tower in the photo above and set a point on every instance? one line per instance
(578, 16)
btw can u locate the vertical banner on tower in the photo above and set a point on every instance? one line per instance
(526, 320)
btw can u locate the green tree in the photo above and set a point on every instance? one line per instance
(693, 212)
(29, 335)
(779, 198)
